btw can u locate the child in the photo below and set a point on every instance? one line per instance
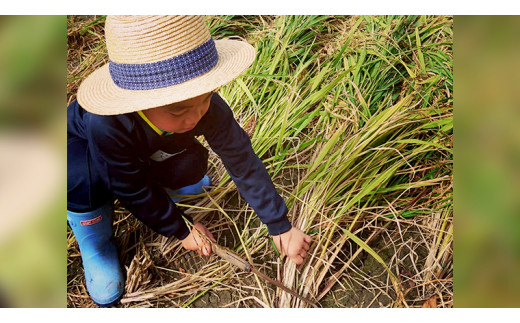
(130, 136)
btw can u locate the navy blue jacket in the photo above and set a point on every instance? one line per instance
(120, 146)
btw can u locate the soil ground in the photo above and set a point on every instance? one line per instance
(364, 284)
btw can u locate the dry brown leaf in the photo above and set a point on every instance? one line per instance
(431, 302)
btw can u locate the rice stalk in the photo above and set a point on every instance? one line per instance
(352, 117)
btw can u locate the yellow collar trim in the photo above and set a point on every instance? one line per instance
(159, 131)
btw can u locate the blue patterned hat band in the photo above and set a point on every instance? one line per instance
(165, 73)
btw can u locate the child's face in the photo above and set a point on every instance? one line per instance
(181, 116)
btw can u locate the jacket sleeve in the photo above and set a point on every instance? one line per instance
(111, 146)
(232, 144)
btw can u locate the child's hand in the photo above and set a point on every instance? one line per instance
(294, 244)
(197, 242)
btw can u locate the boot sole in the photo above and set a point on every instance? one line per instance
(112, 303)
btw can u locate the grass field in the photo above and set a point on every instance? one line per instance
(353, 119)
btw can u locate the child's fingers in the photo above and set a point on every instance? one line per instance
(206, 250)
(200, 244)
(297, 259)
(199, 240)
(305, 246)
(307, 239)
(210, 235)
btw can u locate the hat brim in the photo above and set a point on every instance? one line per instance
(98, 93)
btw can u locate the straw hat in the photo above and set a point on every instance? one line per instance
(159, 60)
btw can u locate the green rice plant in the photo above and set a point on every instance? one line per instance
(354, 163)
(352, 117)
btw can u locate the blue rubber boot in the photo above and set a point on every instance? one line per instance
(194, 189)
(103, 274)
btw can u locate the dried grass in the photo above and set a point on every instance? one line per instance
(355, 127)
